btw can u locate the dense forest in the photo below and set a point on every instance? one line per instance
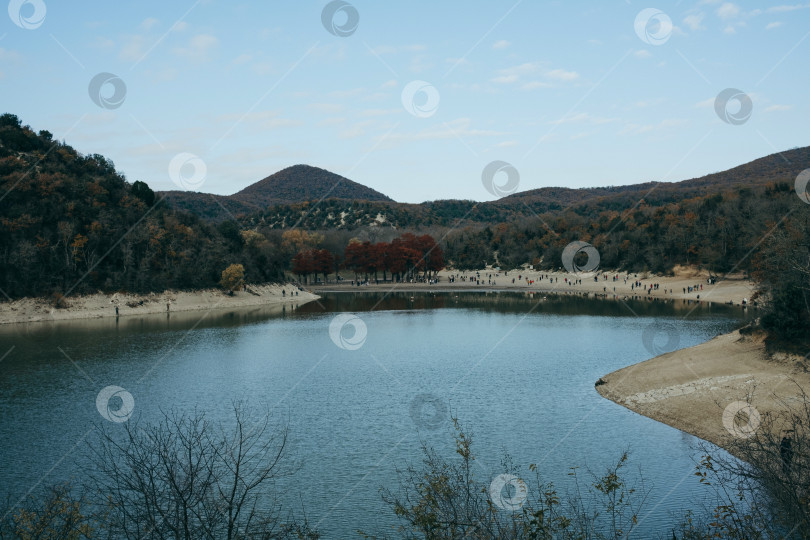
(72, 224)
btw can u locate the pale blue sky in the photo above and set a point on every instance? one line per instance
(567, 92)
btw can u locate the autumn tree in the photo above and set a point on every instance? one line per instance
(296, 240)
(354, 257)
(324, 262)
(303, 264)
(233, 277)
(59, 514)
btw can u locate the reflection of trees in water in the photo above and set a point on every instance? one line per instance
(489, 301)
(517, 302)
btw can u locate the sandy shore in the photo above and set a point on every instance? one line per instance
(733, 289)
(103, 305)
(690, 389)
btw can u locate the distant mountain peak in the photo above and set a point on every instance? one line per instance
(300, 183)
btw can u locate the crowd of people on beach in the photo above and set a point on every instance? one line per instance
(616, 285)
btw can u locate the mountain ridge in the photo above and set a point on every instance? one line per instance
(283, 197)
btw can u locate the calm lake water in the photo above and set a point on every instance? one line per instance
(518, 371)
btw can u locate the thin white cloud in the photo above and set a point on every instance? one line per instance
(103, 43)
(134, 48)
(507, 144)
(356, 130)
(457, 62)
(262, 68)
(728, 10)
(333, 121)
(261, 120)
(325, 108)
(643, 104)
(773, 25)
(346, 94)
(640, 129)
(778, 108)
(394, 49)
(198, 48)
(583, 118)
(694, 21)
(534, 85)
(526, 68)
(390, 84)
(456, 129)
(642, 53)
(380, 112)
(502, 44)
(7, 55)
(562, 75)
(506, 79)
(148, 24)
(515, 74)
(786, 8)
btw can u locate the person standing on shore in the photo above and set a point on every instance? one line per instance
(786, 451)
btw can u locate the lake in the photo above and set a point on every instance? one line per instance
(518, 370)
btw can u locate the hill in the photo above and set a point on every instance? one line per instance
(71, 224)
(301, 183)
(285, 198)
(293, 185)
(781, 168)
(778, 167)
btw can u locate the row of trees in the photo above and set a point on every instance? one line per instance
(314, 261)
(405, 257)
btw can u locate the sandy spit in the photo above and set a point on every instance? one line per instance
(103, 305)
(699, 389)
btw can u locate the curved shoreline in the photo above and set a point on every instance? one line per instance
(731, 290)
(689, 389)
(94, 306)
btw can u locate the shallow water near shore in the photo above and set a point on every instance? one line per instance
(517, 369)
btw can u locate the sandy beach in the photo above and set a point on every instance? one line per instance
(690, 389)
(103, 305)
(733, 289)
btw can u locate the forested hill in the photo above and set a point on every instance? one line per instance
(781, 168)
(296, 184)
(286, 198)
(305, 183)
(71, 224)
